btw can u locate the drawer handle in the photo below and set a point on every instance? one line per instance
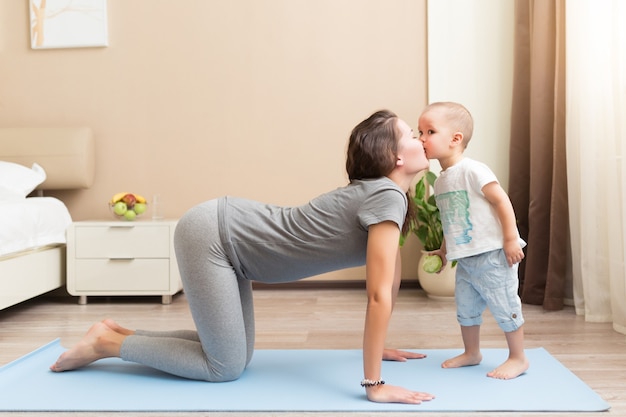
(121, 259)
(130, 226)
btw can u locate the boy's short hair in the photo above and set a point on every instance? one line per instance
(458, 116)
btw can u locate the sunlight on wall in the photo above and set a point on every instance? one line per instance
(470, 60)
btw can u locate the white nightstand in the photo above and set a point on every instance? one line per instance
(122, 258)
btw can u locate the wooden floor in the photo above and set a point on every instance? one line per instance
(332, 318)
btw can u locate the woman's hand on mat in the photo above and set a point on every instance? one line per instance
(393, 394)
(400, 355)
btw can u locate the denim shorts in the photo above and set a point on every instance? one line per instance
(486, 280)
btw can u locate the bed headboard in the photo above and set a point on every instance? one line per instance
(66, 154)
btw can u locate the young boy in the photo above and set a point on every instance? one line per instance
(480, 233)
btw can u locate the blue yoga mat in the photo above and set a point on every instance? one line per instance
(292, 380)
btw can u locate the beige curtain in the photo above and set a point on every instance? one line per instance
(537, 177)
(596, 144)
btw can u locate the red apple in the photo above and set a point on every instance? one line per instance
(130, 200)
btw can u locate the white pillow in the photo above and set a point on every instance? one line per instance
(9, 195)
(20, 179)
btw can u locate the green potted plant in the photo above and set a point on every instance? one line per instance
(429, 230)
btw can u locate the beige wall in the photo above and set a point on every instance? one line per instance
(194, 99)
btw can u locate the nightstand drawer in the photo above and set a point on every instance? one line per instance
(122, 258)
(122, 241)
(103, 275)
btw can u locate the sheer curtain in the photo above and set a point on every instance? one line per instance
(596, 141)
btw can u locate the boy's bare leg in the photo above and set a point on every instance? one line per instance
(517, 363)
(100, 342)
(471, 356)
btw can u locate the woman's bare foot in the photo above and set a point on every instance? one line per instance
(99, 342)
(117, 328)
(511, 368)
(464, 359)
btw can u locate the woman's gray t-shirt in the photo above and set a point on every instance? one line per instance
(275, 244)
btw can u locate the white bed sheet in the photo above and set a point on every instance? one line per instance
(28, 223)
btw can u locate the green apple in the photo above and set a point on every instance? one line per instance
(130, 215)
(120, 208)
(432, 264)
(140, 208)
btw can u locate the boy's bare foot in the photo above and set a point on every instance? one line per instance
(464, 359)
(99, 342)
(511, 368)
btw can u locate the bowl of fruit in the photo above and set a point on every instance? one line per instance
(127, 206)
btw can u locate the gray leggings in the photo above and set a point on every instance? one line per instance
(221, 306)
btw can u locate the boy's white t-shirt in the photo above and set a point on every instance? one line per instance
(470, 223)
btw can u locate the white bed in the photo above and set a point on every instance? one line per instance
(32, 226)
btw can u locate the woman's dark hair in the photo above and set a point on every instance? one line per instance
(373, 151)
(373, 147)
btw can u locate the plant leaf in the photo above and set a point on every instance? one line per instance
(427, 226)
(430, 177)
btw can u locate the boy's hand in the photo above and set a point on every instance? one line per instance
(513, 251)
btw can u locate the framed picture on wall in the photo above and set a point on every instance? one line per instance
(68, 23)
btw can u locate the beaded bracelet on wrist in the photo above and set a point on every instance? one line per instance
(369, 383)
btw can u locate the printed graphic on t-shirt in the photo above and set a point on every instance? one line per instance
(454, 210)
